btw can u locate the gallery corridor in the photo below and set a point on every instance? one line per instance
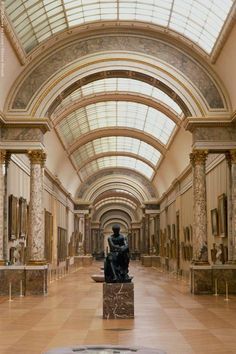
(166, 317)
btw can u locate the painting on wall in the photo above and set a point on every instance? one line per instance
(13, 218)
(23, 217)
(214, 222)
(222, 215)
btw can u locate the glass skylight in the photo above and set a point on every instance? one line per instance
(116, 161)
(120, 85)
(199, 20)
(116, 114)
(115, 200)
(116, 144)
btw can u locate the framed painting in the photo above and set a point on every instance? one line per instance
(23, 217)
(13, 218)
(222, 215)
(214, 222)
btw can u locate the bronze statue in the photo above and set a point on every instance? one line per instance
(116, 265)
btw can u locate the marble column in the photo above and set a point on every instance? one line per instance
(200, 250)
(2, 192)
(231, 156)
(36, 210)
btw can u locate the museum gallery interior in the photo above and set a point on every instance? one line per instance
(118, 112)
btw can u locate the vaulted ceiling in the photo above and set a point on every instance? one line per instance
(120, 124)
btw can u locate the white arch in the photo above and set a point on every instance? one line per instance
(113, 60)
(92, 191)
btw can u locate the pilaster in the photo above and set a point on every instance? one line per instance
(200, 250)
(36, 210)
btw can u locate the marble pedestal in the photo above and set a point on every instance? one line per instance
(146, 261)
(25, 280)
(118, 300)
(83, 261)
(205, 279)
(156, 261)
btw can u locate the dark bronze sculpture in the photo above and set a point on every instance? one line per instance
(116, 267)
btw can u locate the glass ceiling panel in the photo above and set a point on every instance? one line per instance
(116, 161)
(120, 85)
(116, 144)
(112, 114)
(199, 20)
(115, 200)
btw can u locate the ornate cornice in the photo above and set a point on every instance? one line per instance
(37, 157)
(198, 157)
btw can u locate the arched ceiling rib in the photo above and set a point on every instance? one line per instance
(115, 144)
(118, 86)
(115, 162)
(116, 114)
(198, 20)
(117, 193)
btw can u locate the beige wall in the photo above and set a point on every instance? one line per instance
(226, 68)
(58, 163)
(182, 201)
(176, 160)
(19, 185)
(9, 70)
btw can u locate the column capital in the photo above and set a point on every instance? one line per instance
(37, 157)
(3, 154)
(198, 157)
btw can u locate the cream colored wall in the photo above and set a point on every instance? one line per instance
(226, 68)
(9, 70)
(58, 163)
(216, 184)
(176, 160)
(19, 185)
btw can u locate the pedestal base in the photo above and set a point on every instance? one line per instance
(118, 300)
(146, 261)
(24, 280)
(83, 261)
(204, 279)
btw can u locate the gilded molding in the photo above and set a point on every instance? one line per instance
(37, 157)
(198, 157)
(3, 154)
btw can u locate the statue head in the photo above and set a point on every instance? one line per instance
(116, 229)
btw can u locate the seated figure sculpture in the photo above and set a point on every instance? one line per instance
(116, 265)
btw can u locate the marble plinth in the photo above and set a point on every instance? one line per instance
(31, 280)
(205, 278)
(83, 261)
(36, 280)
(156, 261)
(101, 349)
(98, 278)
(118, 300)
(146, 261)
(14, 275)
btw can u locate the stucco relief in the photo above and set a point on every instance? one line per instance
(155, 48)
(22, 134)
(214, 133)
(198, 160)
(116, 171)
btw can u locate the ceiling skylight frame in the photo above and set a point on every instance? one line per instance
(164, 14)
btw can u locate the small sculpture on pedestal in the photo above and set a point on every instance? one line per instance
(116, 267)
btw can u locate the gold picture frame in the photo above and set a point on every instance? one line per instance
(13, 218)
(214, 222)
(222, 215)
(23, 222)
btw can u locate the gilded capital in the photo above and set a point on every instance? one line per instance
(3, 154)
(198, 157)
(233, 155)
(37, 157)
